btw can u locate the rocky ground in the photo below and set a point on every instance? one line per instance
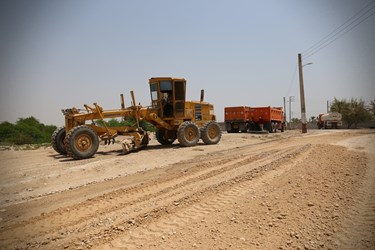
(278, 191)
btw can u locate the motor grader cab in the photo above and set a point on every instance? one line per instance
(168, 97)
(173, 117)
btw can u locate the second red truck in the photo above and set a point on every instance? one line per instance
(248, 119)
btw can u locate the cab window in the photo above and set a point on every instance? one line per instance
(165, 86)
(154, 91)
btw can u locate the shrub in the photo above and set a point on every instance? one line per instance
(25, 131)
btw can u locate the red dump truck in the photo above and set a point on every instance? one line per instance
(248, 119)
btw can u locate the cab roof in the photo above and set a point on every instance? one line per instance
(166, 78)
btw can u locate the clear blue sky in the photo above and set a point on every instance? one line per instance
(59, 54)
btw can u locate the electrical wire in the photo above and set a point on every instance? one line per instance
(322, 47)
(335, 30)
(344, 28)
(340, 31)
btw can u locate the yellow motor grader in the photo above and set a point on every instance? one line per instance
(170, 113)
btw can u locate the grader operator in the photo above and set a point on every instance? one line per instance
(170, 113)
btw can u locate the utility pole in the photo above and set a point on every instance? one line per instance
(327, 106)
(302, 95)
(291, 99)
(284, 111)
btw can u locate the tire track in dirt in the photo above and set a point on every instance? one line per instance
(94, 189)
(102, 215)
(223, 194)
(355, 233)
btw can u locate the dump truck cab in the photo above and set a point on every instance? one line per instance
(168, 97)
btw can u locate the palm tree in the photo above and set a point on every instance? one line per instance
(341, 106)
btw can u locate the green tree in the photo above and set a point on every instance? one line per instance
(296, 120)
(372, 108)
(126, 121)
(113, 122)
(47, 132)
(357, 112)
(352, 112)
(25, 131)
(147, 126)
(340, 106)
(8, 132)
(29, 131)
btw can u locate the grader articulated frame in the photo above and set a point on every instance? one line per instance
(173, 117)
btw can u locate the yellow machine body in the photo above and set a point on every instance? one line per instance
(173, 117)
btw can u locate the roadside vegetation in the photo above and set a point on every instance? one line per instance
(127, 121)
(29, 131)
(25, 131)
(354, 111)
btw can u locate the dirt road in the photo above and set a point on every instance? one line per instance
(278, 191)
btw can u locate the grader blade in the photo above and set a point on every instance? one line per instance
(134, 142)
(127, 145)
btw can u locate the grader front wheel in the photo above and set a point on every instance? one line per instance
(188, 134)
(57, 140)
(81, 142)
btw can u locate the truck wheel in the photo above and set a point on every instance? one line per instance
(57, 140)
(276, 125)
(211, 133)
(81, 142)
(228, 127)
(247, 127)
(268, 127)
(252, 127)
(188, 134)
(162, 138)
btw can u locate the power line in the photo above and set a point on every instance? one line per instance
(340, 31)
(322, 47)
(344, 28)
(334, 31)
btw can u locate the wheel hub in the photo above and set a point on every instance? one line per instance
(190, 134)
(212, 132)
(83, 143)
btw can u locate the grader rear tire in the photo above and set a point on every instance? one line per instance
(81, 142)
(211, 133)
(57, 140)
(188, 134)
